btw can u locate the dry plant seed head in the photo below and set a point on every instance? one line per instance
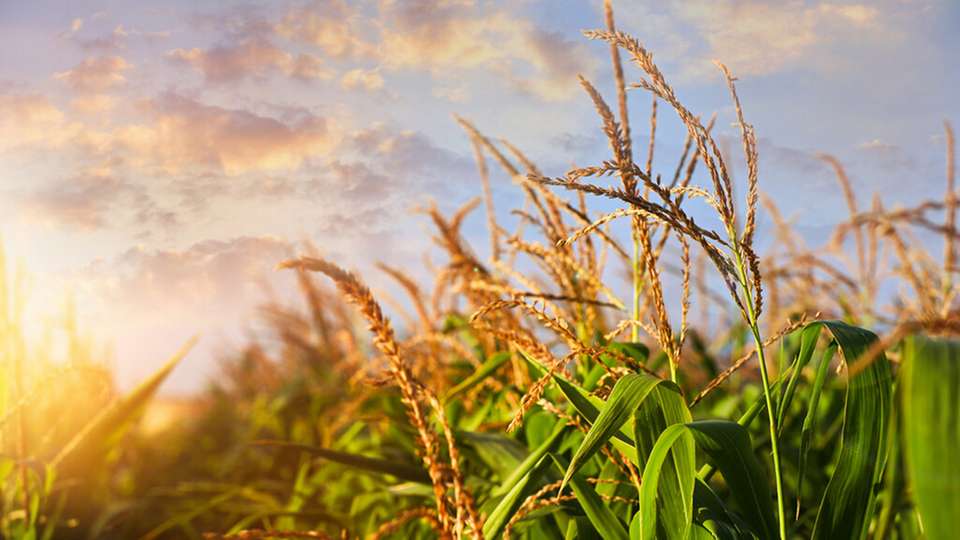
(530, 166)
(653, 135)
(851, 200)
(487, 199)
(549, 217)
(463, 500)
(533, 394)
(685, 293)
(612, 130)
(403, 518)
(386, 343)
(750, 155)
(260, 534)
(950, 216)
(626, 142)
(657, 84)
(412, 290)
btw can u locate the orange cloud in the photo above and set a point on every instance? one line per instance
(443, 37)
(362, 79)
(96, 74)
(92, 104)
(91, 201)
(27, 120)
(449, 37)
(185, 134)
(253, 58)
(333, 26)
(753, 37)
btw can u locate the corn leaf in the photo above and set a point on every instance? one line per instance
(508, 503)
(849, 499)
(628, 394)
(663, 408)
(931, 431)
(728, 447)
(482, 372)
(402, 471)
(669, 517)
(106, 427)
(603, 520)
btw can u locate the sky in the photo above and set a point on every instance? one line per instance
(157, 159)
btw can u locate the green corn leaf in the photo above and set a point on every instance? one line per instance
(511, 500)
(530, 461)
(500, 453)
(663, 408)
(410, 473)
(482, 372)
(107, 426)
(627, 395)
(668, 513)
(849, 499)
(603, 520)
(671, 515)
(808, 342)
(810, 421)
(728, 447)
(709, 511)
(931, 431)
(588, 406)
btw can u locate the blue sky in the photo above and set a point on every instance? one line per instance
(157, 159)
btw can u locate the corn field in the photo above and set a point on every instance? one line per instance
(626, 362)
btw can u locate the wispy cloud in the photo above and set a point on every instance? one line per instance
(185, 134)
(96, 74)
(94, 200)
(255, 58)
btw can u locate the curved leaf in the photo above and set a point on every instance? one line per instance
(482, 372)
(501, 514)
(602, 519)
(849, 499)
(675, 513)
(410, 473)
(728, 447)
(627, 395)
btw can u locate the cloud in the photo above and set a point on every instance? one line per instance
(80, 202)
(254, 58)
(556, 61)
(31, 119)
(443, 37)
(114, 41)
(150, 301)
(369, 80)
(759, 37)
(307, 67)
(887, 157)
(208, 277)
(454, 93)
(756, 37)
(407, 152)
(447, 38)
(75, 26)
(184, 135)
(334, 26)
(92, 104)
(93, 200)
(96, 74)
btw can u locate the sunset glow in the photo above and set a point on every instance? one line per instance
(159, 160)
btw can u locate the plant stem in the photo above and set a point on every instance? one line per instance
(773, 430)
(764, 379)
(635, 329)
